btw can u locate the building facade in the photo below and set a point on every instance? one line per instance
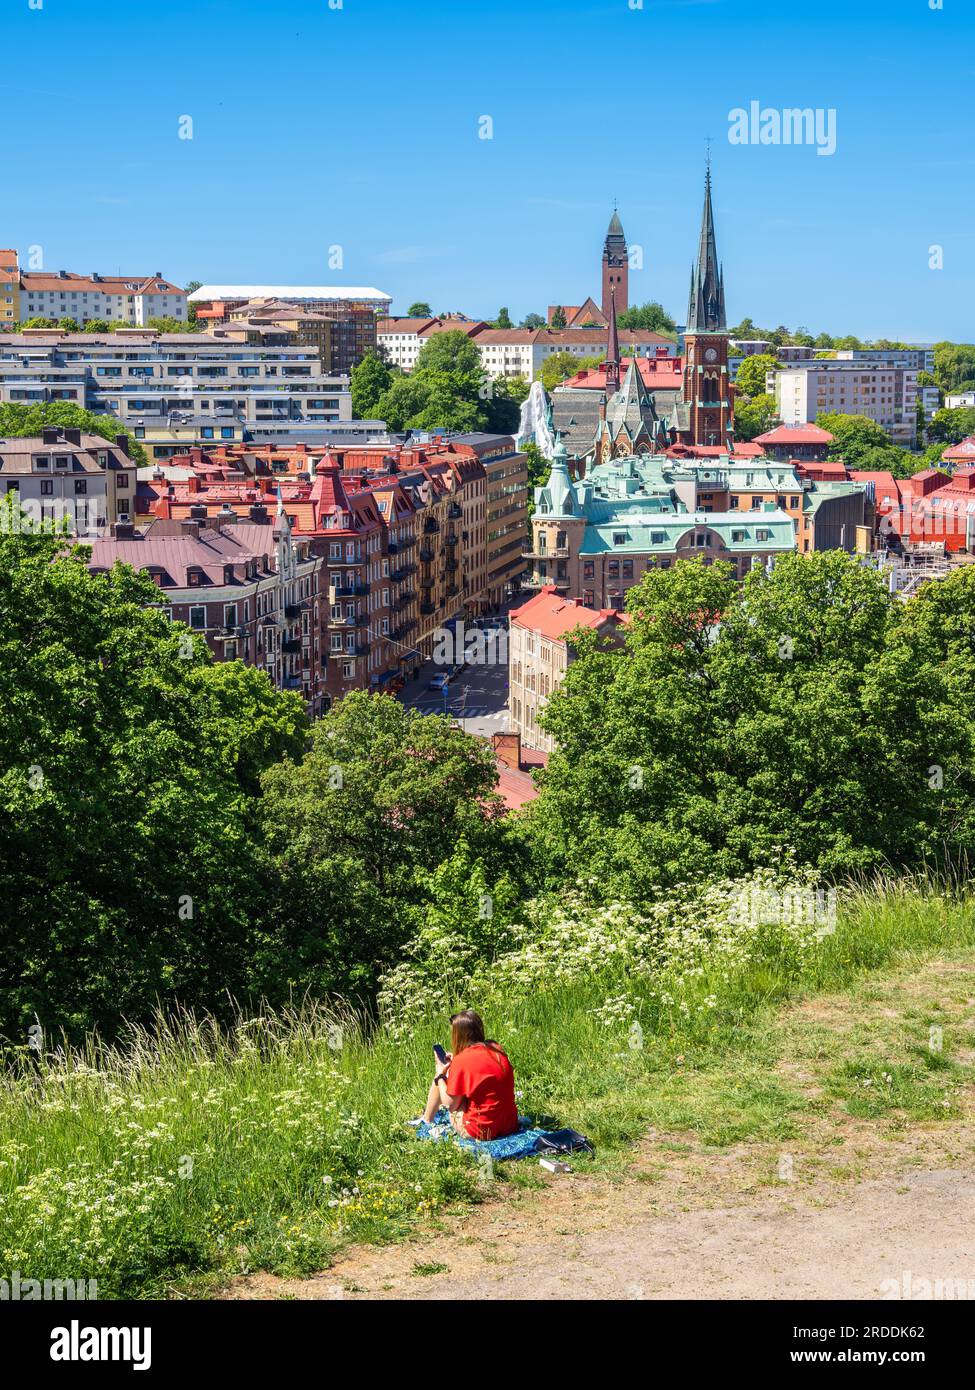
(132, 300)
(64, 477)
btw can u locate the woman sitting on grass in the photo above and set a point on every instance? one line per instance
(476, 1083)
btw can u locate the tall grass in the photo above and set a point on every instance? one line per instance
(191, 1147)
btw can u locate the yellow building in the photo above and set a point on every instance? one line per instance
(9, 290)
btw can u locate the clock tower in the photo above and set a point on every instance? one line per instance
(706, 384)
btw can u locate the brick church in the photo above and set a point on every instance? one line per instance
(646, 406)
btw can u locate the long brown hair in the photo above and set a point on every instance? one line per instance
(466, 1029)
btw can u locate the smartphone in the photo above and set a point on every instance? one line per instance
(440, 1054)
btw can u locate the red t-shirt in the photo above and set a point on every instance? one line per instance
(483, 1076)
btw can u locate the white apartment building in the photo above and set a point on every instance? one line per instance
(913, 359)
(960, 401)
(523, 351)
(134, 300)
(143, 378)
(886, 394)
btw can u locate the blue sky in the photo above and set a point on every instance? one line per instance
(358, 127)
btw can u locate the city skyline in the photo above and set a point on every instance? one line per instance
(277, 174)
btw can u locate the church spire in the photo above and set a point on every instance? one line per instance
(612, 349)
(615, 266)
(705, 310)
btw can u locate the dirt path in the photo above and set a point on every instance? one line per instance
(851, 1207)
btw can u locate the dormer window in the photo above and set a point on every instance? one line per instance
(44, 462)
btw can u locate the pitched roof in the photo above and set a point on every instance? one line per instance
(555, 616)
(795, 434)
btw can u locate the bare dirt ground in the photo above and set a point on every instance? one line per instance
(846, 1205)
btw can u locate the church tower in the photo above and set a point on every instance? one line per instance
(616, 267)
(706, 387)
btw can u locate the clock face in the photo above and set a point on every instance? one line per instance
(711, 355)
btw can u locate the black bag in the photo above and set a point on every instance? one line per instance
(563, 1141)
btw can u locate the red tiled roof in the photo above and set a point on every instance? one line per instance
(659, 373)
(961, 453)
(554, 616)
(795, 434)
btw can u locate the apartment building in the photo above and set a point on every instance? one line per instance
(961, 400)
(145, 377)
(523, 352)
(341, 336)
(9, 291)
(129, 299)
(247, 585)
(351, 311)
(910, 359)
(539, 654)
(66, 477)
(595, 537)
(884, 393)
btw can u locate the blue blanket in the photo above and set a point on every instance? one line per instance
(519, 1145)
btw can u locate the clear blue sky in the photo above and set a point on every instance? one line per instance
(358, 127)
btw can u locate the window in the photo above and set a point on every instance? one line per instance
(619, 538)
(198, 618)
(762, 535)
(737, 536)
(47, 487)
(80, 485)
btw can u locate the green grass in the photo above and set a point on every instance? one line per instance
(193, 1154)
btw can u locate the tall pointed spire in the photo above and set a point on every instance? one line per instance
(612, 349)
(615, 265)
(705, 310)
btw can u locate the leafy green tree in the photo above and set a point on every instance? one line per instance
(825, 716)
(954, 365)
(130, 765)
(39, 323)
(382, 796)
(191, 320)
(750, 380)
(532, 321)
(370, 378)
(19, 420)
(558, 318)
(753, 417)
(68, 325)
(420, 310)
(651, 316)
(952, 426)
(504, 319)
(853, 435)
(96, 326)
(168, 324)
(503, 406)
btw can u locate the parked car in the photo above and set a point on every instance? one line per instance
(439, 682)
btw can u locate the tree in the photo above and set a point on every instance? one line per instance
(504, 319)
(559, 365)
(819, 705)
(954, 365)
(419, 310)
(532, 321)
(96, 326)
(853, 436)
(753, 417)
(370, 378)
(19, 421)
(191, 322)
(68, 325)
(39, 323)
(169, 325)
(651, 316)
(558, 318)
(130, 769)
(504, 403)
(382, 796)
(952, 426)
(750, 379)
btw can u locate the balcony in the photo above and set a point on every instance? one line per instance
(454, 511)
(427, 608)
(559, 552)
(450, 538)
(291, 644)
(453, 590)
(426, 553)
(403, 601)
(431, 526)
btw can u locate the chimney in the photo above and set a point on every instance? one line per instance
(191, 526)
(73, 436)
(507, 749)
(49, 435)
(258, 513)
(123, 529)
(198, 511)
(122, 442)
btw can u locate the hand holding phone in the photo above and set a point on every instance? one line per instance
(440, 1054)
